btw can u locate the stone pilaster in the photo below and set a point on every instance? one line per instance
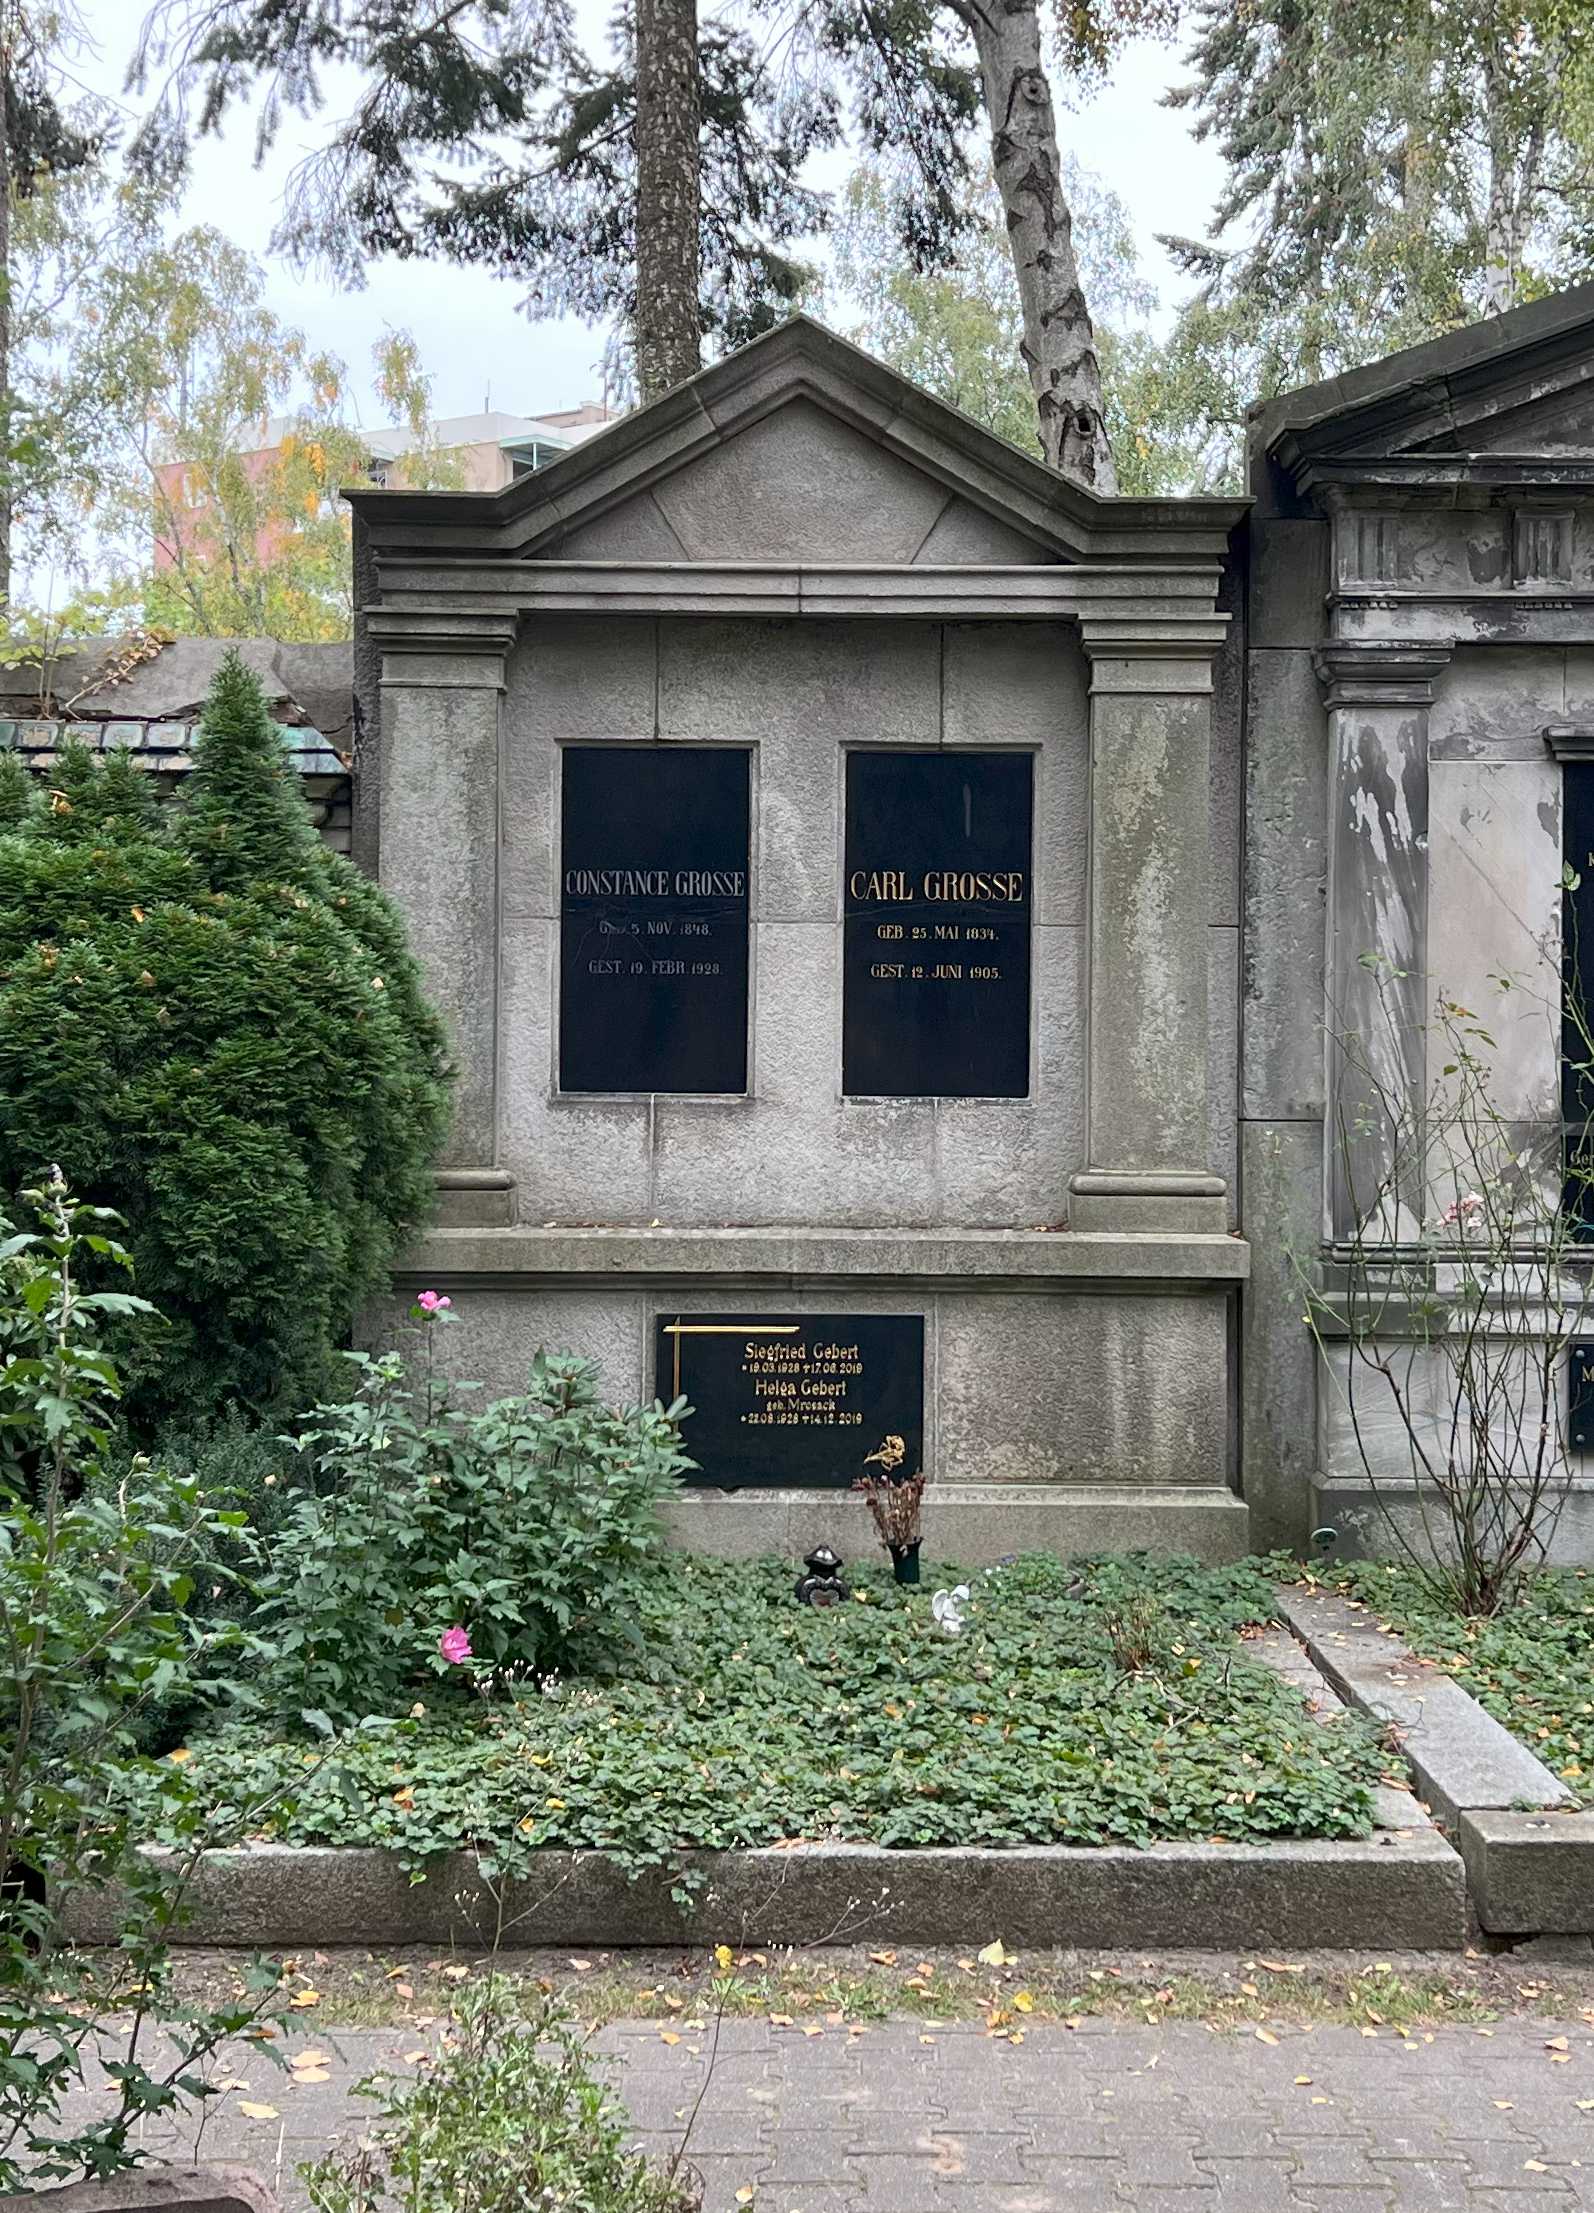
(441, 683)
(1378, 694)
(1148, 1144)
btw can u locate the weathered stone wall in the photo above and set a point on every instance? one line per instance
(794, 1150)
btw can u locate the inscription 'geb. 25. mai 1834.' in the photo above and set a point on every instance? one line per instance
(653, 919)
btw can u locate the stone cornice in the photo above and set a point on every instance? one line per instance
(1568, 742)
(1020, 1259)
(463, 629)
(1128, 609)
(1380, 672)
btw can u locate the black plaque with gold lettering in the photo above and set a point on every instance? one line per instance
(1580, 1397)
(805, 1400)
(936, 936)
(653, 919)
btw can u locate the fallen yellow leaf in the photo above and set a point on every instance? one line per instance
(1023, 2002)
(1534, 2167)
(668, 2036)
(1303, 2080)
(745, 2194)
(257, 2112)
(724, 1956)
(311, 2058)
(302, 1998)
(1265, 2036)
(310, 2074)
(994, 1955)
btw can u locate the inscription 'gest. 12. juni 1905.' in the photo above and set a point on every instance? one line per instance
(795, 1399)
(936, 936)
(653, 919)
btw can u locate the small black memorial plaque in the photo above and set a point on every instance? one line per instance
(1580, 1396)
(806, 1400)
(936, 937)
(653, 919)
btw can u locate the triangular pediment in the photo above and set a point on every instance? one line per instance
(1515, 389)
(797, 448)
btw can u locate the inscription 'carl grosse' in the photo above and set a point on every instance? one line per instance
(897, 887)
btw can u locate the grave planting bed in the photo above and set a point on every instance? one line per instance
(1111, 1703)
(1110, 1752)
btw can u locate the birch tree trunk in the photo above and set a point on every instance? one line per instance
(668, 324)
(1059, 344)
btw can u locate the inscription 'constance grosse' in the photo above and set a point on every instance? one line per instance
(655, 883)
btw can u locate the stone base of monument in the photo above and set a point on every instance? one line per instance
(973, 1524)
(1382, 1522)
(1062, 1391)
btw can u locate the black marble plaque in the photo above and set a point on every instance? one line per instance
(936, 937)
(653, 919)
(1580, 1396)
(800, 1400)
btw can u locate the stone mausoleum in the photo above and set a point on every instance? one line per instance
(886, 900)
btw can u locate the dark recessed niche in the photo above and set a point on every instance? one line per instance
(936, 937)
(653, 918)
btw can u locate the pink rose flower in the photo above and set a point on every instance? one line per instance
(433, 1302)
(454, 1644)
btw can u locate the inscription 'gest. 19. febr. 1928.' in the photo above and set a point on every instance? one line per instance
(936, 937)
(795, 1399)
(653, 919)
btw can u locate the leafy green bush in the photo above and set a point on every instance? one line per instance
(213, 1025)
(766, 1721)
(94, 1592)
(531, 1526)
(511, 2119)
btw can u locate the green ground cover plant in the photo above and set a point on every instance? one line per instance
(748, 1720)
(1531, 1666)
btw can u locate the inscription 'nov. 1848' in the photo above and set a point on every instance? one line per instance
(805, 1400)
(936, 936)
(653, 919)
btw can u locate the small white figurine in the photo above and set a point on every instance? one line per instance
(947, 1608)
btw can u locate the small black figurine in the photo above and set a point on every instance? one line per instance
(822, 1585)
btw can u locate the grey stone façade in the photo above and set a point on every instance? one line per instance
(1266, 737)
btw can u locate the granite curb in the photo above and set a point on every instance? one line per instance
(1529, 1856)
(1400, 1887)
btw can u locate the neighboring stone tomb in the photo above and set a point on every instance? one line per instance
(837, 842)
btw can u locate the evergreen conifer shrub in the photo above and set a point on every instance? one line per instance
(215, 1027)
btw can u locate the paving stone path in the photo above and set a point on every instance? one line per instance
(1104, 2119)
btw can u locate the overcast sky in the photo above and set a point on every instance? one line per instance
(473, 340)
